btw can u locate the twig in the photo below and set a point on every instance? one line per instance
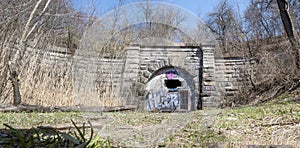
(280, 124)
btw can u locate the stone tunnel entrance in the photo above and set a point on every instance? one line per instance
(170, 77)
(139, 73)
(170, 89)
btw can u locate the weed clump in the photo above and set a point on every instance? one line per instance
(50, 137)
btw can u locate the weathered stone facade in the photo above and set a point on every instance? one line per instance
(140, 76)
(236, 72)
(146, 62)
(130, 76)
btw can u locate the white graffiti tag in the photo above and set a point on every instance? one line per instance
(168, 102)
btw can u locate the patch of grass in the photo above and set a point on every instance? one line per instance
(243, 125)
(194, 134)
(138, 118)
(245, 115)
(99, 142)
(36, 119)
(266, 123)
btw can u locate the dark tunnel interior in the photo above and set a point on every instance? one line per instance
(172, 83)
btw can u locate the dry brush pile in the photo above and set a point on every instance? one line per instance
(266, 33)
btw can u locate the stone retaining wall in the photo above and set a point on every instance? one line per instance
(209, 78)
(235, 71)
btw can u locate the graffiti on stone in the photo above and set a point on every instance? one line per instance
(172, 74)
(163, 91)
(169, 102)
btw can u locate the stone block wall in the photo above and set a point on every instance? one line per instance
(235, 78)
(211, 96)
(210, 78)
(94, 77)
(143, 62)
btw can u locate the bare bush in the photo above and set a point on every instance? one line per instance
(272, 74)
(33, 34)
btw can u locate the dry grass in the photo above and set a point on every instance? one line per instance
(44, 81)
(47, 81)
(268, 124)
(108, 97)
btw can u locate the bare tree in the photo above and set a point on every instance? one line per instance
(275, 69)
(283, 6)
(225, 24)
(20, 52)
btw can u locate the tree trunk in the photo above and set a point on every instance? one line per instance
(283, 6)
(14, 70)
(15, 85)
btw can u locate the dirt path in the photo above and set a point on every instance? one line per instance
(139, 129)
(268, 124)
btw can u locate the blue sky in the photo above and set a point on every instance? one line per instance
(199, 7)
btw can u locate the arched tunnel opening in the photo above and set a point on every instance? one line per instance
(170, 89)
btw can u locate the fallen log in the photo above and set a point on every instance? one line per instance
(36, 108)
(68, 127)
